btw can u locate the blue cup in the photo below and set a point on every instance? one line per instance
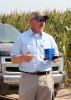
(49, 53)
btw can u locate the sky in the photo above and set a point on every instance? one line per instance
(8, 6)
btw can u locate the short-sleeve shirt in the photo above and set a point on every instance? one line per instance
(30, 43)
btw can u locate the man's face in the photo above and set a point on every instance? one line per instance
(38, 22)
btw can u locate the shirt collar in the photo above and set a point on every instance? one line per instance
(32, 33)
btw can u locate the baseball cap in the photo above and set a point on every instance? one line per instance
(38, 14)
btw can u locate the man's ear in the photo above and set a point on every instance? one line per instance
(31, 20)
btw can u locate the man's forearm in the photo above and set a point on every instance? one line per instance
(16, 59)
(20, 58)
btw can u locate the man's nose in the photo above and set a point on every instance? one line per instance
(42, 23)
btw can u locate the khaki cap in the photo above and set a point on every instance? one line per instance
(38, 14)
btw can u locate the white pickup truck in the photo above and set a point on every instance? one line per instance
(9, 72)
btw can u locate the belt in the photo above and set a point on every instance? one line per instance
(37, 73)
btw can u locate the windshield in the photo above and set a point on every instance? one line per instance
(8, 33)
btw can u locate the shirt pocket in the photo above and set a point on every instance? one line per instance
(28, 48)
(46, 44)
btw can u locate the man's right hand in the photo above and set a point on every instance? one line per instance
(27, 57)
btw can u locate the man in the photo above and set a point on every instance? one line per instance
(36, 80)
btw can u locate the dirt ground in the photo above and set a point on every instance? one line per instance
(63, 94)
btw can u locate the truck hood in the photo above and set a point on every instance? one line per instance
(5, 49)
(6, 46)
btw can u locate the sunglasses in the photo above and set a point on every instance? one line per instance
(41, 19)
